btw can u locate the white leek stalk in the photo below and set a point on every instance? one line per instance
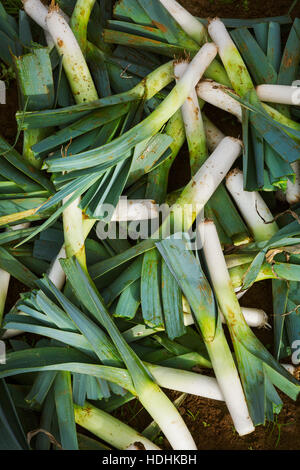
(108, 428)
(79, 76)
(187, 382)
(4, 283)
(254, 317)
(202, 186)
(186, 20)
(229, 382)
(216, 94)
(56, 273)
(193, 123)
(83, 90)
(213, 134)
(36, 10)
(234, 65)
(293, 189)
(231, 386)
(170, 421)
(252, 207)
(134, 209)
(237, 70)
(152, 430)
(73, 232)
(252, 367)
(196, 30)
(281, 94)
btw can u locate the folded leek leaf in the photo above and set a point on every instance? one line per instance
(35, 79)
(65, 410)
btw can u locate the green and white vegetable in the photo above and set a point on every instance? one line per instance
(281, 94)
(108, 428)
(253, 208)
(217, 95)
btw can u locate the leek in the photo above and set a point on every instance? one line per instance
(258, 369)
(108, 428)
(281, 94)
(217, 95)
(253, 208)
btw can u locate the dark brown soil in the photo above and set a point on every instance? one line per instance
(8, 126)
(208, 420)
(239, 8)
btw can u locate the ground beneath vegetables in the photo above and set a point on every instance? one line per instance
(208, 420)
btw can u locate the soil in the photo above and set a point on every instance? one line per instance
(239, 8)
(208, 420)
(7, 114)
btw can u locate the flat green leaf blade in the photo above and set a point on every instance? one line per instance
(128, 276)
(151, 290)
(286, 147)
(129, 301)
(40, 388)
(260, 67)
(250, 183)
(103, 267)
(35, 79)
(133, 40)
(226, 213)
(65, 359)
(12, 156)
(172, 304)
(28, 325)
(101, 344)
(133, 10)
(189, 275)
(261, 35)
(163, 20)
(69, 114)
(258, 150)
(92, 121)
(280, 296)
(291, 56)
(147, 155)
(91, 299)
(65, 411)
(274, 46)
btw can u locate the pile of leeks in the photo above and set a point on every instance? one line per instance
(131, 287)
